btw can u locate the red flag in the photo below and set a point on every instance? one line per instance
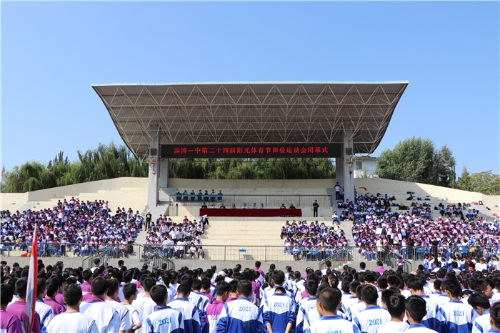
(31, 286)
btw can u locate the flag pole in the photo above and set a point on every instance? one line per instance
(31, 286)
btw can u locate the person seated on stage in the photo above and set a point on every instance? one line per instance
(283, 206)
(204, 205)
(254, 206)
(213, 205)
(244, 206)
(199, 195)
(291, 206)
(192, 195)
(205, 196)
(233, 206)
(222, 206)
(219, 195)
(262, 206)
(178, 196)
(213, 195)
(185, 195)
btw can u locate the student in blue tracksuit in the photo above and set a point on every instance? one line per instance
(455, 316)
(416, 286)
(327, 303)
(279, 312)
(307, 310)
(481, 305)
(373, 316)
(415, 312)
(189, 311)
(164, 319)
(241, 315)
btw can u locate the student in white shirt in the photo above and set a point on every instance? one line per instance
(44, 310)
(415, 312)
(123, 311)
(130, 295)
(105, 316)
(396, 307)
(145, 305)
(72, 320)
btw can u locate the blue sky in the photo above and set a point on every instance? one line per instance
(51, 53)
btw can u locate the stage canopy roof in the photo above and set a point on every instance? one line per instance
(251, 112)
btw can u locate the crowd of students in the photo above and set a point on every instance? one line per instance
(314, 241)
(73, 226)
(177, 240)
(118, 299)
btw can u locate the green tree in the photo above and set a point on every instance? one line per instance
(464, 182)
(411, 160)
(485, 182)
(444, 168)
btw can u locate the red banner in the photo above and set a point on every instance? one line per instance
(31, 286)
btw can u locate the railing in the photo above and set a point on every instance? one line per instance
(269, 201)
(158, 254)
(144, 253)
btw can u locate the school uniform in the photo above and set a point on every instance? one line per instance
(105, 316)
(75, 322)
(456, 317)
(240, 316)
(370, 319)
(333, 324)
(279, 311)
(164, 320)
(190, 316)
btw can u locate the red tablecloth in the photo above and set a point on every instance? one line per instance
(268, 212)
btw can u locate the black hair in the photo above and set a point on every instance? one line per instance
(184, 289)
(244, 288)
(311, 287)
(393, 281)
(222, 287)
(187, 279)
(159, 294)
(345, 286)
(205, 283)
(369, 294)
(278, 277)
(40, 286)
(72, 294)
(417, 308)
(396, 305)
(362, 265)
(481, 286)
(52, 286)
(99, 286)
(196, 284)
(354, 285)
(148, 283)
(480, 300)
(415, 283)
(129, 290)
(495, 314)
(6, 293)
(453, 287)
(382, 282)
(112, 287)
(21, 285)
(369, 278)
(384, 295)
(329, 299)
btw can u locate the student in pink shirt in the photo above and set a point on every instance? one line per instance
(214, 309)
(9, 322)
(52, 289)
(18, 308)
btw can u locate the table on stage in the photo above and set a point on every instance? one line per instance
(249, 212)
